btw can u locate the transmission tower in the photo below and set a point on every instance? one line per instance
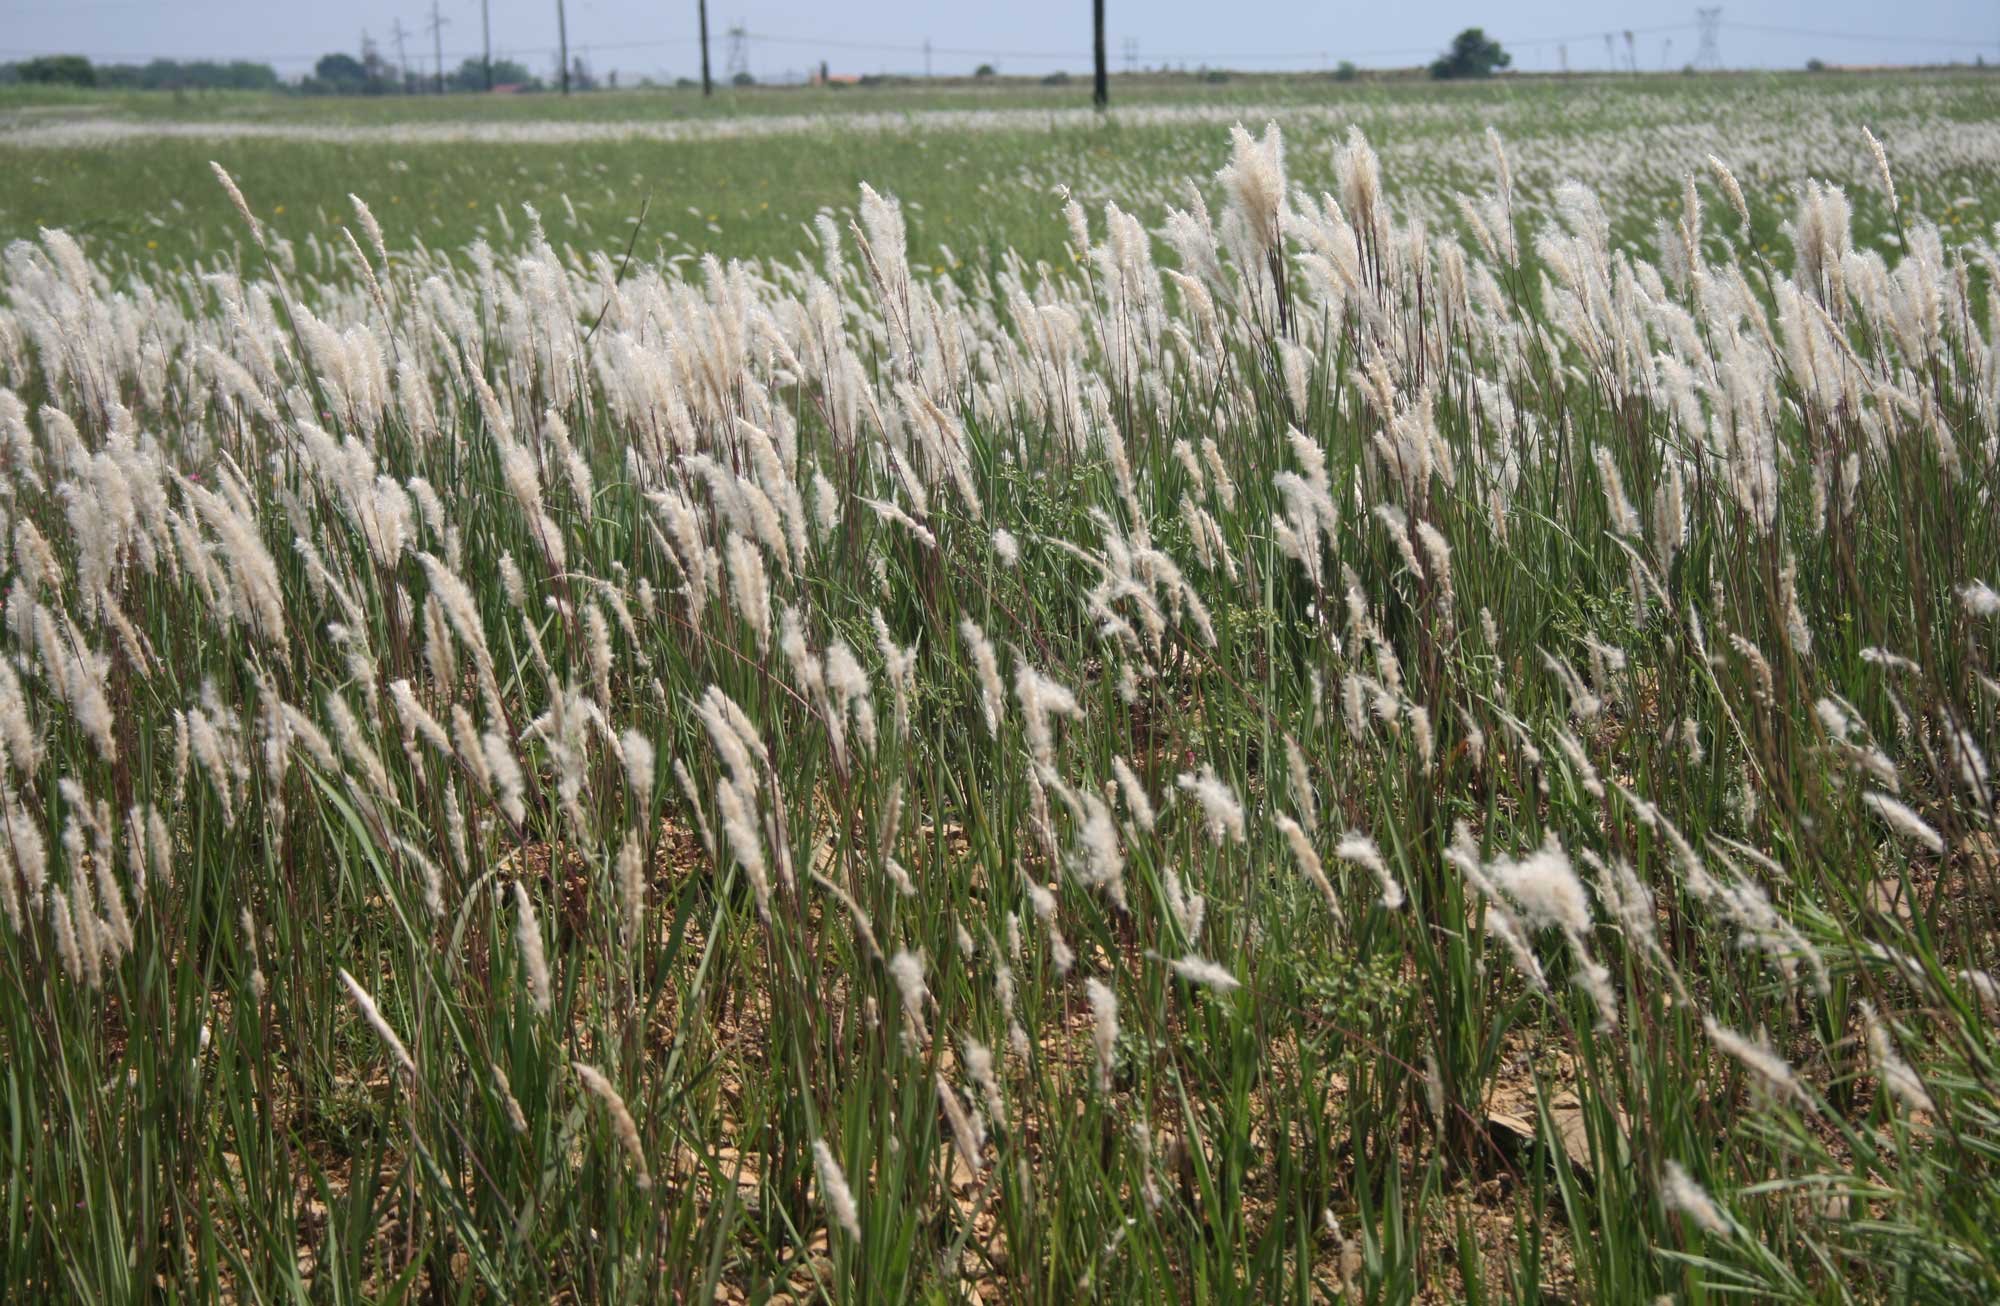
(738, 63)
(1708, 55)
(397, 32)
(1131, 54)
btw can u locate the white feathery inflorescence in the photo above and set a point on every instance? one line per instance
(636, 751)
(534, 960)
(1680, 1193)
(967, 1139)
(1222, 812)
(834, 1191)
(1103, 1028)
(1201, 971)
(1359, 849)
(623, 1127)
(1760, 1059)
(1042, 700)
(373, 1015)
(907, 969)
(1904, 821)
(979, 1069)
(1903, 1083)
(1980, 599)
(1309, 864)
(517, 1119)
(986, 666)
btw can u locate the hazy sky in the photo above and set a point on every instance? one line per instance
(640, 37)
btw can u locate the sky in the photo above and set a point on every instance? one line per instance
(650, 38)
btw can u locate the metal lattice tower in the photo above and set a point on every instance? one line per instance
(1708, 55)
(397, 34)
(738, 62)
(1131, 54)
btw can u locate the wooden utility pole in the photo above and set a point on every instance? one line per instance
(486, 30)
(707, 83)
(1101, 93)
(562, 43)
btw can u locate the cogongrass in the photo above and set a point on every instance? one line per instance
(1133, 736)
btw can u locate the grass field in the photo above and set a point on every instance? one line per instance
(993, 704)
(975, 168)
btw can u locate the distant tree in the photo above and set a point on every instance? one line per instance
(1345, 71)
(743, 79)
(59, 69)
(471, 75)
(198, 74)
(1472, 54)
(1815, 65)
(985, 70)
(341, 74)
(1056, 78)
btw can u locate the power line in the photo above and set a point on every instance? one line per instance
(1819, 34)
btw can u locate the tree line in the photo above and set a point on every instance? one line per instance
(333, 74)
(1472, 54)
(156, 75)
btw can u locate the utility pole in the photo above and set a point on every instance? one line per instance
(402, 60)
(1101, 86)
(486, 31)
(562, 43)
(927, 58)
(437, 43)
(707, 83)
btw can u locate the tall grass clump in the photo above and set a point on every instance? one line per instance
(1296, 753)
